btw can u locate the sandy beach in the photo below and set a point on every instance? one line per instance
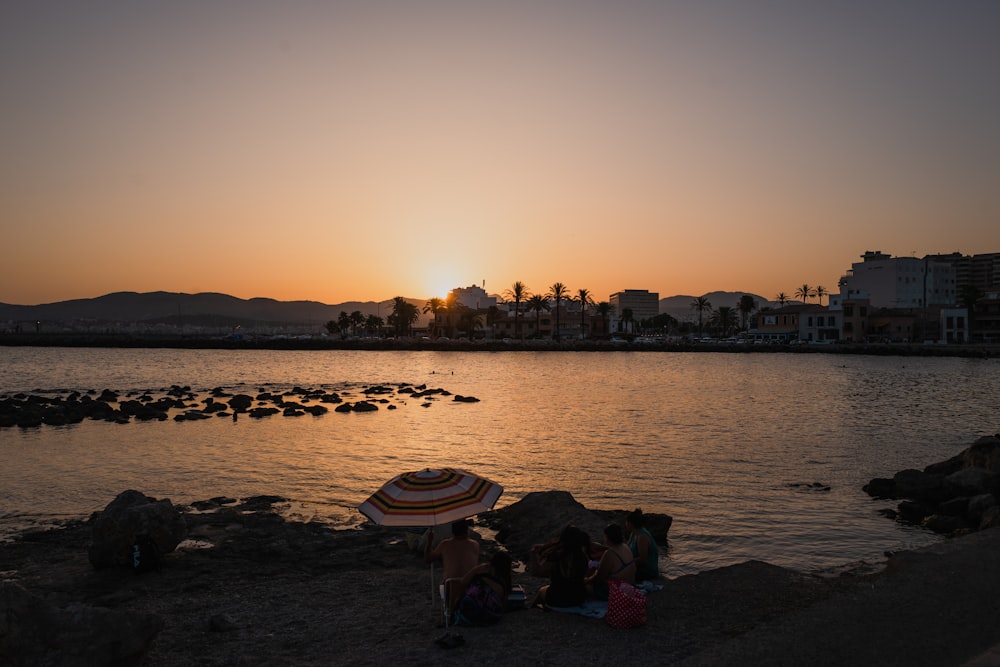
(251, 588)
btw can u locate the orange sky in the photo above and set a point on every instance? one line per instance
(359, 151)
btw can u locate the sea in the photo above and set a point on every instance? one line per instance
(756, 456)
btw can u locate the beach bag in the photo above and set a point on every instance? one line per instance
(479, 606)
(626, 605)
(145, 554)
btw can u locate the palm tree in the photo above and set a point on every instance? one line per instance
(373, 324)
(701, 304)
(404, 314)
(557, 293)
(537, 303)
(604, 310)
(357, 321)
(723, 319)
(781, 298)
(626, 321)
(344, 322)
(747, 305)
(584, 298)
(805, 292)
(436, 306)
(820, 292)
(469, 319)
(518, 292)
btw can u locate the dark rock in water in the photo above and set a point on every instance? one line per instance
(365, 406)
(465, 399)
(34, 632)
(953, 496)
(127, 516)
(108, 396)
(918, 485)
(914, 512)
(969, 481)
(984, 453)
(343, 407)
(880, 487)
(942, 523)
(240, 402)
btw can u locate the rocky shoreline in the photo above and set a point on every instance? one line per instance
(245, 586)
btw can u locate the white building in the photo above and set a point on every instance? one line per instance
(900, 282)
(474, 297)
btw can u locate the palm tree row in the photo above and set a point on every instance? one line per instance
(558, 292)
(804, 292)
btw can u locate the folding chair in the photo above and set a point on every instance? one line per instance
(444, 590)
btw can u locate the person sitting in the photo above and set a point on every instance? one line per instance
(643, 546)
(616, 563)
(485, 589)
(564, 560)
(458, 554)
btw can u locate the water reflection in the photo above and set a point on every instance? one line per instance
(716, 440)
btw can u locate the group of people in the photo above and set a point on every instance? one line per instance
(577, 568)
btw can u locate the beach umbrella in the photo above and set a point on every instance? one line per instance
(430, 498)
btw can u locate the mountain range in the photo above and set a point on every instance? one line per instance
(152, 307)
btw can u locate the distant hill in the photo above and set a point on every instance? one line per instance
(680, 306)
(206, 307)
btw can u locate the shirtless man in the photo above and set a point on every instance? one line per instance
(458, 554)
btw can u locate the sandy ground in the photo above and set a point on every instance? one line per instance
(271, 592)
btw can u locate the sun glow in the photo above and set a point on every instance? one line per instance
(441, 280)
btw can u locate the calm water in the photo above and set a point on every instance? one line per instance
(722, 442)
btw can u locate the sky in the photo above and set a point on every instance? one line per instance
(341, 151)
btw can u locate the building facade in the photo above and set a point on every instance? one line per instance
(644, 304)
(901, 282)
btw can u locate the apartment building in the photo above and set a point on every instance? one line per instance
(644, 304)
(901, 282)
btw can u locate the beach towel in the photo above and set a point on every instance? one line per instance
(590, 609)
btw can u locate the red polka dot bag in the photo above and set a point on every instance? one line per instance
(626, 605)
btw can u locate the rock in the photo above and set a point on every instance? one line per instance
(917, 485)
(990, 518)
(969, 481)
(880, 487)
(914, 512)
(240, 402)
(130, 514)
(34, 632)
(942, 523)
(984, 453)
(954, 507)
(978, 505)
(540, 516)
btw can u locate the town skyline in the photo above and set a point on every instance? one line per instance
(334, 151)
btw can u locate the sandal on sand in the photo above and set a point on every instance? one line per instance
(450, 640)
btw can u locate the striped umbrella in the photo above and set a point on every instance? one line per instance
(430, 498)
